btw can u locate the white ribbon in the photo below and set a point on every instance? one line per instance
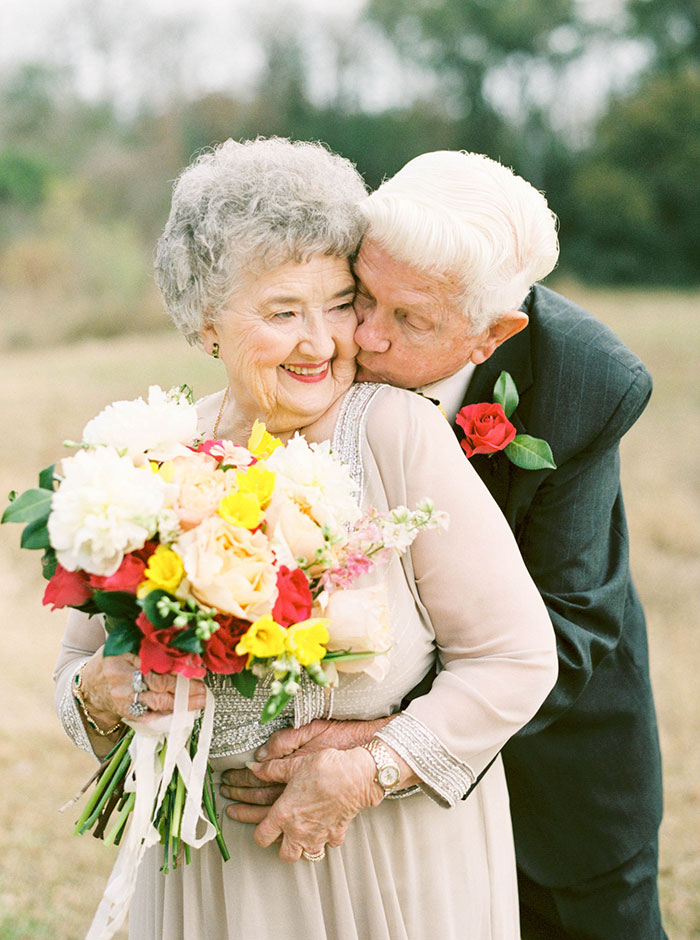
(149, 781)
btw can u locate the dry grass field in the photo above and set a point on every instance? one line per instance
(50, 882)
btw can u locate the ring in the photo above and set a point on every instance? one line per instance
(314, 856)
(137, 708)
(138, 683)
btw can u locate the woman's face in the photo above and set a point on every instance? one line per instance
(286, 340)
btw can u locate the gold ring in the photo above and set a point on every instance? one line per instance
(314, 856)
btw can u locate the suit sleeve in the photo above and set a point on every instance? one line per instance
(575, 544)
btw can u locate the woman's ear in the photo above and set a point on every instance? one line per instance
(507, 325)
(210, 339)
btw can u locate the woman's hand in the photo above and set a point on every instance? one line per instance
(108, 692)
(324, 792)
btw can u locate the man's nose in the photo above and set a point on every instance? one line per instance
(369, 334)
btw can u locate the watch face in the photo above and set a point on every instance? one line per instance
(388, 776)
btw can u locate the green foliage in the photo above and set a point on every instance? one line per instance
(530, 453)
(506, 393)
(23, 179)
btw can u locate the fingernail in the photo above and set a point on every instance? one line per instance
(252, 765)
(261, 753)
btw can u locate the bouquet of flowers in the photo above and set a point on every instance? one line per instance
(204, 556)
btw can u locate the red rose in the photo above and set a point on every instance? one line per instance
(157, 656)
(220, 654)
(486, 428)
(127, 577)
(67, 589)
(294, 598)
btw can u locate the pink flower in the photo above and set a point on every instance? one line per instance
(294, 598)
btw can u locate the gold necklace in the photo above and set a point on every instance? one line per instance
(218, 417)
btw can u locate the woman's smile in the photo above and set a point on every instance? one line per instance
(310, 372)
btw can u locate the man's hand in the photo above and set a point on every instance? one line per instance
(244, 787)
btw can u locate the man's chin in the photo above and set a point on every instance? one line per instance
(364, 374)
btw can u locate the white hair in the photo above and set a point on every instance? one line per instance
(470, 220)
(251, 206)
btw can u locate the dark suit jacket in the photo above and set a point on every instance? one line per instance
(585, 775)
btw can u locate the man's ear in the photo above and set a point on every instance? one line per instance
(502, 329)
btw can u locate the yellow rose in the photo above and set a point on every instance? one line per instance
(229, 568)
(307, 639)
(242, 509)
(164, 572)
(261, 442)
(264, 638)
(200, 488)
(257, 480)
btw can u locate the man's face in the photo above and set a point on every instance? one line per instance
(410, 331)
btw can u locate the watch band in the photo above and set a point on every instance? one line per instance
(388, 773)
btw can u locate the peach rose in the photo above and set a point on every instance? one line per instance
(360, 622)
(201, 487)
(229, 568)
(294, 533)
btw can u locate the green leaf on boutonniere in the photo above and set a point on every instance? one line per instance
(530, 453)
(29, 507)
(123, 637)
(35, 535)
(49, 563)
(245, 682)
(506, 394)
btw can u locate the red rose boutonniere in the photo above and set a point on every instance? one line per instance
(487, 430)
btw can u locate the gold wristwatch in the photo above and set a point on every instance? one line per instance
(388, 771)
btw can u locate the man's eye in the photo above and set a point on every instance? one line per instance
(342, 308)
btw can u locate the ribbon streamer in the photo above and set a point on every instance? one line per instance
(149, 781)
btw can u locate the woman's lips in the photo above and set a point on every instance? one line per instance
(304, 372)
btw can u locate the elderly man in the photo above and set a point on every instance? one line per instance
(445, 305)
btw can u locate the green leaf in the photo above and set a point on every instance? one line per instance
(35, 535)
(46, 478)
(123, 637)
(506, 394)
(30, 506)
(345, 656)
(117, 604)
(49, 563)
(530, 453)
(188, 641)
(273, 706)
(245, 682)
(149, 603)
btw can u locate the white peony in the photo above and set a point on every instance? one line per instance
(104, 508)
(314, 479)
(159, 427)
(360, 621)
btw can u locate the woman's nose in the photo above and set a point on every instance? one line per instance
(317, 341)
(369, 335)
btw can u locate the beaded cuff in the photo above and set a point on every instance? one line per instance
(69, 714)
(444, 778)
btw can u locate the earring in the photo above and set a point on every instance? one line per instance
(215, 350)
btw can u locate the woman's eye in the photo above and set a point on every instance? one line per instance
(284, 315)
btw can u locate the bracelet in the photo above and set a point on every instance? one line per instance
(78, 695)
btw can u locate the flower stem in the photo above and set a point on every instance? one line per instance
(116, 829)
(115, 778)
(102, 784)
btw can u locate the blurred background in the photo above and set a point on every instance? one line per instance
(103, 102)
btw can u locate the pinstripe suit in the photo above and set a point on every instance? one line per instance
(585, 774)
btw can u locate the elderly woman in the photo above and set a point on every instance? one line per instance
(254, 264)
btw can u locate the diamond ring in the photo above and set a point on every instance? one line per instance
(137, 709)
(314, 856)
(138, 683)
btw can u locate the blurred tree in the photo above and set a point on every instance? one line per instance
(636, 200)
(672, 29)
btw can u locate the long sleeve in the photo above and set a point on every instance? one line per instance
(492, 632)
(82, 636)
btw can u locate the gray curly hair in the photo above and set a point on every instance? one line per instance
(251, 206)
